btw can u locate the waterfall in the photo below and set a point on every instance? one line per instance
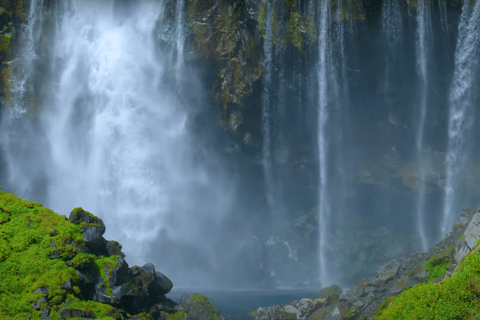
(117, 141)
(424, 33)
(266, 106)
(180, 40)
(323, 73)
(442, 5)
(462, 102)
(23, 172)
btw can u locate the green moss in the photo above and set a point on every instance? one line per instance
(104, 266)
(456, 297)
(26, 235)
(200, 299)
(181, 315)
(261, 19)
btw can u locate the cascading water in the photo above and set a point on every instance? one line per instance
(266, 107)
(180, 40)
(424, 33)
(119, 142)
(462, 101)
(323, 73)
(15, 134)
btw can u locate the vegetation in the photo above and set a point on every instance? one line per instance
(38, 249)
(456, 297)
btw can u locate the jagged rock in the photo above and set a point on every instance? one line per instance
(114, 249)
(306, 306)
(388, 271)
(351, 295)
(472, 233)
(93, 230)
(461, 250)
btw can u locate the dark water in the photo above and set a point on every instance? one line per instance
(237, 304)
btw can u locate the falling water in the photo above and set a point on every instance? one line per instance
(424, 32)
(180, 40)
(118, 141)
(21, 84)
(462, 102)
(324, 208)
(442, 5)
(15, 135)
(266, 112)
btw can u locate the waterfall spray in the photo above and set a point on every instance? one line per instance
(424, 32)
(462, 102)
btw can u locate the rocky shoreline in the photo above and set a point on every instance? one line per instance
(364, 300)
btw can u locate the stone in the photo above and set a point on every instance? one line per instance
(328, 291)
(472, 233)
(93, 230)
(322, 313)
(461, 250)
(335, 315)
(164, 285)
(201, 309)
(114, 249)
(307, 306)
(291, 309)
(353, 294)
(387, 271)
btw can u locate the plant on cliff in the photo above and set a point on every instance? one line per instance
(456, 297)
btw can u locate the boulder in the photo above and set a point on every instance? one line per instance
(387, 271)
(164, 285)
(201, 309)
(93, 230)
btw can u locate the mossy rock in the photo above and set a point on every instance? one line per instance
(198, 307)
(31, 282)
(455, 297)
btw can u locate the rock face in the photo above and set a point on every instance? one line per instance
(132, 290)
(363, 300)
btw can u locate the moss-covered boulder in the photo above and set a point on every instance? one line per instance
(48, 271)
(198, 307)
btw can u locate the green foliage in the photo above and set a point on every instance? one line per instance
(457, 297)
(261, 19)
(435, 271)
(28, 234)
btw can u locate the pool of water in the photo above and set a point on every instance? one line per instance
(235, 304)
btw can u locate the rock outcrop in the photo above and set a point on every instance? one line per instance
(65, 268)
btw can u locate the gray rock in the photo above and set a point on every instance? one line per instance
(388, 271)
(461, 250)
(164, 285)
(292, 310)
(329, 291)
(472, 233)
(353, 294)
(335, 315)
